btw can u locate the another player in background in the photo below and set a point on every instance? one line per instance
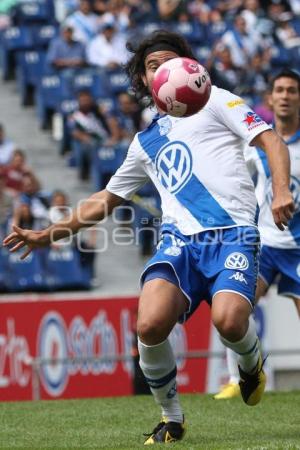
(209, 239)
(280, 254)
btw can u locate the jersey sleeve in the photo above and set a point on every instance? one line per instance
(250, 156)
(130, 176)
(233, 112)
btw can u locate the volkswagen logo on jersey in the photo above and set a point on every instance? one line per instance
(252, 120)
(174, 166)
(236, 261)
(52, 343)
(295, 190)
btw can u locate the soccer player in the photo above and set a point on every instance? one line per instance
(209, 239)
(280, 253)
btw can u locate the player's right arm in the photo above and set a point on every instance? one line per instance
(87, 214)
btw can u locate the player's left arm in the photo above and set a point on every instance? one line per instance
(279, 163)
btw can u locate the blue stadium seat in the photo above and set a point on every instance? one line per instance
(147, 220)
(51, 91)
(118, 81)
(94, 80)
(281, 57)
(43, 34)
(12, 40)
(30, 68)
(191, 30)
(105, 162)
(63, 269)
(34, 11)
(27, 274)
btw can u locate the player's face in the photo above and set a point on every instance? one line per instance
(152, 62)
(285, 98)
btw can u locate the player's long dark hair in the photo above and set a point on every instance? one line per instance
(135, 67)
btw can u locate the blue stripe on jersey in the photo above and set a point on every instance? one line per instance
(294, 228)
(193, 195)
(263, 157)
(293, 138)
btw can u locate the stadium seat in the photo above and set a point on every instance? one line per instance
(118, 81)
(14, 39)
(34, 11)
(94, 80)
(27, 274)
(191, 30)
(105, 162)
(43, 34)
(147, 218)
(30, 68)
(51, 91)
(63, 269)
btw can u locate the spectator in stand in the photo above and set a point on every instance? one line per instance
(64, 52)
(6, 205)
(129, 117)
(229, 8)
(90, 130)
(33, 202)
(118, 12)
(108, 48)
(15, 171)
(286, 32)
(222, 69)
(216, 26)
(7, 148)
(170, 10)
(84, 22)
(253, 15)
(255, 78)
(242, 44)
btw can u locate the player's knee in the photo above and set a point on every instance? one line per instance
(151, 331)
(229, 327)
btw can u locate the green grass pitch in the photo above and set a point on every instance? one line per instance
(118, 423)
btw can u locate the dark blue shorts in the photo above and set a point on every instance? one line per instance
(284, 264)
(207, 263)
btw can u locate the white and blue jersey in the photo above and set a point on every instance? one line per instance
(198, 167)
(280, 254)
(258, 165)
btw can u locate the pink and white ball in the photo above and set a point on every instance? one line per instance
(181, 87)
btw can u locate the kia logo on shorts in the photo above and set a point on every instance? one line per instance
(236, 261)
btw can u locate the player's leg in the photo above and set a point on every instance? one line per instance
(231, 316)
(160, 305)
(232, 388)
(297, 304)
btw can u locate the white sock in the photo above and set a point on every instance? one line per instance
(159, 367)
(247, 348)
(232, 365)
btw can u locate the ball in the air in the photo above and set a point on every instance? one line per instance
(181, 87)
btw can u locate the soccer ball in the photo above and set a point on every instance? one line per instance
(181, 87)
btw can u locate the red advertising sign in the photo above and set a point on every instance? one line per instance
(78, 332)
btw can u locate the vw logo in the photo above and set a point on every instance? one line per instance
(295, 190)
(174, 166)
(236, 261)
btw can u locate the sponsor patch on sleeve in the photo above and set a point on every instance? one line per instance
(252, 120)
(234, 103)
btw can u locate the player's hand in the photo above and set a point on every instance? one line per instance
(20, 238)
(283, 209)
